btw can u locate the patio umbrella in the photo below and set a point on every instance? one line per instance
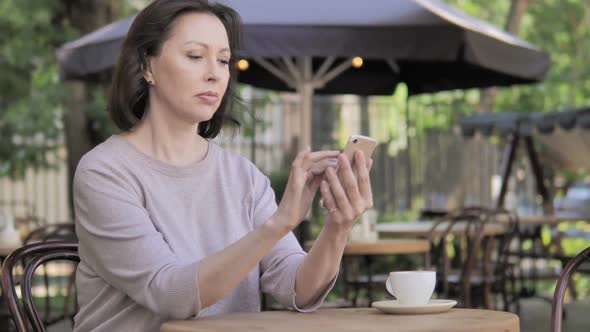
(308, 46)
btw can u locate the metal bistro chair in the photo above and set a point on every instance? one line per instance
(479, 266)
(560, 288)
(25, 315)
(56, 232)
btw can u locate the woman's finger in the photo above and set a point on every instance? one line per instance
(338, 193)
(363, 179)
(297, 176)
(299, 159)
(320, 166)
(318, 156)
(349, 183)
(327, 197)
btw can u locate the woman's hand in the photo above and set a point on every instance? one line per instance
(345, 195)
(307, 171)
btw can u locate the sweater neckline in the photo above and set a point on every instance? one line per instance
(130, 150)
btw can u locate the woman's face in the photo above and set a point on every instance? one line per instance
(190, 75)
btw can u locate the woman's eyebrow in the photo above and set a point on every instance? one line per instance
(225, 49)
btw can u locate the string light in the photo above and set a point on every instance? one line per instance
(357, 62)
(243, 65)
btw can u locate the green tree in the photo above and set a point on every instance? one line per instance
(31, 93)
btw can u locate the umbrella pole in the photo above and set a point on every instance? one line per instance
(306, 92)
(408, 158)
(306, 87)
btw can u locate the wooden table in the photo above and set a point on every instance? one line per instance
(387, 247)
(539, 220)
(345, 320)
(383, 247)
(367, 252)
(5, 251)
(421, 229)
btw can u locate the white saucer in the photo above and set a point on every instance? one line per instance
(432, 307)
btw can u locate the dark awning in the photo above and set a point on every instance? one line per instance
(526, 124)
(564, 135)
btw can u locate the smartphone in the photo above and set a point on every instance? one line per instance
(363, 143)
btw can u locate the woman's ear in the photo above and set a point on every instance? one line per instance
(147, 71)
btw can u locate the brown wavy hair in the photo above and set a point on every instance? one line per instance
(129, 93)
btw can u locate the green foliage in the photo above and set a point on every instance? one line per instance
(102, 126)
(31, 93)
(278, 182)
(561, 28)
(250, 113)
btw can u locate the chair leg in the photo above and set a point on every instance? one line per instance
(572, 286)
(505, 297)
(487, 296)
(67, 297)
(355, 295)
(47, 296)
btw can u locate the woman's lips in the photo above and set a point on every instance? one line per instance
(208, 97)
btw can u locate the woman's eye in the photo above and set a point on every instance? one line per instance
(195, 56)
(225, 62)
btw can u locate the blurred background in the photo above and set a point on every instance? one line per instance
(424, 160)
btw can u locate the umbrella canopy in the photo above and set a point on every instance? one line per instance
(307, 46)
(564, 135)
(427, 44)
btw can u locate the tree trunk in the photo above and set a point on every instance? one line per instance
(85, 16)
(470, 180)
(517, 10)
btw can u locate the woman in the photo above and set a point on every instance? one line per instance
(173, 227)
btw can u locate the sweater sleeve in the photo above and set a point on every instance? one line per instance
(121, 244)
(279, 267)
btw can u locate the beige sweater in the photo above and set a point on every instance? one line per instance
(144, 225)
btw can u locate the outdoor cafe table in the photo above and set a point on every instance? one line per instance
(422, 229)
(5, 251)
(356, 319)
(383, 247)
(387, 247)
(369, 249)
(540, 220)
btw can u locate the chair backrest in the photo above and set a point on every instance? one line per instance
(52, 232)
(472, 249)
(26, 317)
(562, 283)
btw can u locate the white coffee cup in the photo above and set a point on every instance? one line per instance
(411, 288)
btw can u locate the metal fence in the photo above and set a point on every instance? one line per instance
(42, 193)
(445, 168)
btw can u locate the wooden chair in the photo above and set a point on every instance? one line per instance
(562, 284)
(25, 314)
(479, 265)
(56, 232)
(52, 232)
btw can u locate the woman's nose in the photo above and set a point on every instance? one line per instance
(212, 73)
